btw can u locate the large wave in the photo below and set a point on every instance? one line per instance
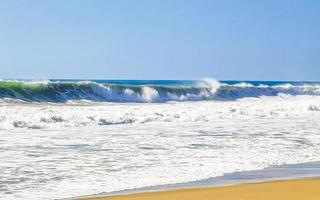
(60, 92)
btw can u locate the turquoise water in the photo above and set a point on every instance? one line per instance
(67, 138)
(61, 91)
(187, 82)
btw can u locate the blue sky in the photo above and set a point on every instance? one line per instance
(160, 39)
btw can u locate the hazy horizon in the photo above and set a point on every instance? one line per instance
(115, 79)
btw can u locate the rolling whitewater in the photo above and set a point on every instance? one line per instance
(66, 138)
(61, 91)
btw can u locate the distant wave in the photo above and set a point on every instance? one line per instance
(60, 92)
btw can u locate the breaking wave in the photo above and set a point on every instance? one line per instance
(60, 92)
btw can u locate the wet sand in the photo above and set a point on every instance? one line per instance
(298, 189)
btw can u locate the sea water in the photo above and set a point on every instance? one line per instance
(66, 138)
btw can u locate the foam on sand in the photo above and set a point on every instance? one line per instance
(66, 139)
(65, 150)
(276, 190)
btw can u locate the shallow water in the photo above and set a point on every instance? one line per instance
(274, 173)
(50, 151)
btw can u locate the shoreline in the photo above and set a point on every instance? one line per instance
(294, 172)
(296, 189)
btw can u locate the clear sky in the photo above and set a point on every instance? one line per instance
(160, 39)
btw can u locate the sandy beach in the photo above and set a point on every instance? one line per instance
(306, 189)
(159, 100)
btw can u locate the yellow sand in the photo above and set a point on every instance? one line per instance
(306, 189)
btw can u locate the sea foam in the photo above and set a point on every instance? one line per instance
(206, 89)
(63, 139)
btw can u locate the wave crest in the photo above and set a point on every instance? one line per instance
(207, 89)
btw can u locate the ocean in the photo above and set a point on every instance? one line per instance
(67, 138)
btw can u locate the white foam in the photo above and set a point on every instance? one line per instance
(86, 113)
(244, 85)
(58, 151)
(213, 84)
(149, 94)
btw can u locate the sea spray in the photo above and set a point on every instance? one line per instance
(206, 89)
(51, 150)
